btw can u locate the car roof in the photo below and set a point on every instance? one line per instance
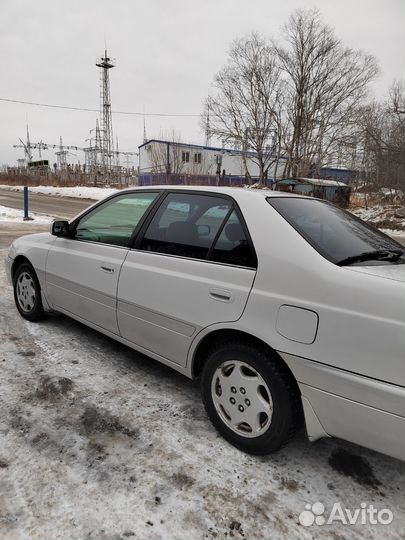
(233, 191)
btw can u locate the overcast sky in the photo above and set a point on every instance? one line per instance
(167, 53)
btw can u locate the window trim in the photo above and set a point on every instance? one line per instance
(208, 261)
(219, 231)
(137, 241)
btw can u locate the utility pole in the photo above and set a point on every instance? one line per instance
(145, 138)
(207, 127)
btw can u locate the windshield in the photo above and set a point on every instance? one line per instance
(339, 236)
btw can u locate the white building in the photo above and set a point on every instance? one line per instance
(158, 157)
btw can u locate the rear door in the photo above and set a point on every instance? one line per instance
(82, 272)
(193, 266)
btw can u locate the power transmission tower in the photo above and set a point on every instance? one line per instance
(93, 152)
(27, 148)
(105, 63)
(41, 145)
(61, 156)
(117, 154)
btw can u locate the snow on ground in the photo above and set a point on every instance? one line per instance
(99, 442)
(378, 212)
(386, 218)
(17, 216)
(394, 232)
(368, 213)
(81, 192)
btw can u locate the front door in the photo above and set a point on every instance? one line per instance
(193, 267)
(82, 272)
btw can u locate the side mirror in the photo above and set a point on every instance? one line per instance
(60, 228)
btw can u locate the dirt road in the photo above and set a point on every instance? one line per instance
(11, 231)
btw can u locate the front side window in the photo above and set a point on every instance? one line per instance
(114, 221)
(336, 234)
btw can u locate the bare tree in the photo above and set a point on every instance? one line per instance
(246, 106)
(383, 139)
(326, 83)
(397, 99)
(166, 156)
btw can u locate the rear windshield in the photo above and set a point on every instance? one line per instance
(333, 232)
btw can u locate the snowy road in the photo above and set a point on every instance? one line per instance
(99, 442)
(63, 207)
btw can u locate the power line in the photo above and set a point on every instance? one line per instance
(95, 110)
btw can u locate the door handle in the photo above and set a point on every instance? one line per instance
(107, 269)
(221, 294)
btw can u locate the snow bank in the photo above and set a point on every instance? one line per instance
(17, 216)
(368, 213)
(78, 192)
(387, 218)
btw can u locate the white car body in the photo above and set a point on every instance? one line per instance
(340, 330)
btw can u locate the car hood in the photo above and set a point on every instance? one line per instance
(395, 272)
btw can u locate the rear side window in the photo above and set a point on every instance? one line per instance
(232, 245)
(186, 225)
(199, 227)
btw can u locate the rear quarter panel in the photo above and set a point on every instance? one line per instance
(361, 317)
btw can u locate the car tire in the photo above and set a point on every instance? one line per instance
(251, 399)
(27, 293)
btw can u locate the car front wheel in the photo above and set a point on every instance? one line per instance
(249, 397)
(27, 293)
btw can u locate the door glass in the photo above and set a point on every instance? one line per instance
(186, 225)
(114, 221)
(232, 246)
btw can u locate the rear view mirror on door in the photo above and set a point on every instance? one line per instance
(60, 228)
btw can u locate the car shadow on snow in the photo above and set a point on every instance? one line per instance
(330, 466)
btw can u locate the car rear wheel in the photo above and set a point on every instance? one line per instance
(27, 293)
(249, 397)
